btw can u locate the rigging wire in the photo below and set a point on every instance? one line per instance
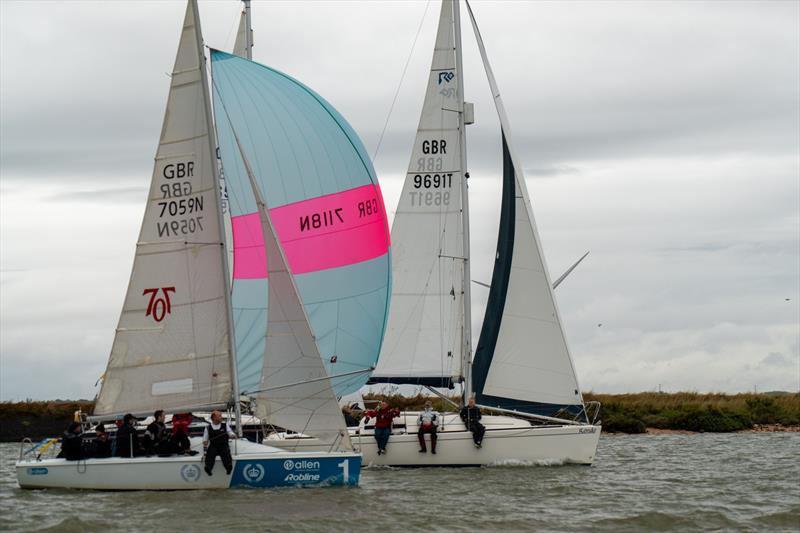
(400, 84)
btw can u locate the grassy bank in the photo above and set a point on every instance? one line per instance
(37, 420)
(691, 411)
(621, 413)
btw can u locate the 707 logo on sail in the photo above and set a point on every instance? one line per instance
(158, 307)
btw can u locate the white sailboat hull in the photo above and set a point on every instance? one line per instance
(254, 466)
(508, 441)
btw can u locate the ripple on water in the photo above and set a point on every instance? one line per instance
(741, 482)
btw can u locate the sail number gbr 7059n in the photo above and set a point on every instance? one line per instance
(178, 211)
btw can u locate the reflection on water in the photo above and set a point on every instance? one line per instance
(705, 482)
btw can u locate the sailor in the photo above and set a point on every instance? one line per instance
(72, 443)
(471, 414)
(155, 436)
(383, 416)
(127, 441)
(427, 421)
(215, 440)
(179, 441)
(349, 419)
(102, 442)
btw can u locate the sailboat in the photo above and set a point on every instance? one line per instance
(174, 347)
(522, 375)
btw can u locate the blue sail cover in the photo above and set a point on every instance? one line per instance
(326, 205)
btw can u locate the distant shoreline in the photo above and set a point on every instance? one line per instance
(758, 428)
(636, 413)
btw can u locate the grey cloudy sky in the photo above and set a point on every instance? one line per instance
(663, 136)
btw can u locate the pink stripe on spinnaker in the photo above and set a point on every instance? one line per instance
(329, 231)
(334, 230)
(249, 255)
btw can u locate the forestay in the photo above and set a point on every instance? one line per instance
(522, 361)
(424, 333)
(171, 349)
(325, 203)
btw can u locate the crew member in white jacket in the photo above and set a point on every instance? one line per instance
(428, 421)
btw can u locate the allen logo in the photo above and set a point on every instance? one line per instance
(190, 473)
(253, 472)
(158, 307)
(446, 76)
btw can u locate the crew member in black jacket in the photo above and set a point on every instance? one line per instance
(72, 443)
(127, 440)
(215, 440)
(471, 414)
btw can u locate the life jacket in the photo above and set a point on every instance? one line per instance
(218, 437)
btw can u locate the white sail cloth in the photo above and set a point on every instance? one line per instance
(531, 361)
(171, 349)
(423, 339)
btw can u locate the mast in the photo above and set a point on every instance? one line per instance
(249, 30)
(466, 352)
(212, 146)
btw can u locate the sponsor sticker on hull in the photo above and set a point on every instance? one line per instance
(293, 472)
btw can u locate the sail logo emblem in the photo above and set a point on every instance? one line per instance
(253, 473)
(302, 464)
(446, 76)
(190, 473)
(158, 307)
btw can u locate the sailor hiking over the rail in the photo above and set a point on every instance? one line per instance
(215, 440)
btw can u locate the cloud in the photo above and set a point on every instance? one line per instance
(676, 124)
(123, 195)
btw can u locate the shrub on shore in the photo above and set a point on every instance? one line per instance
(693, 411)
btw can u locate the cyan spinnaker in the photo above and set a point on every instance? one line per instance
(323, 197)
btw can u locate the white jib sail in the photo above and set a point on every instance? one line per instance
(240, 45)
(424, 331)
(171, 349)
(296, 392)
(531, 361)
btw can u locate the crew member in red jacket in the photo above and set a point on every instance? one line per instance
(383, 415)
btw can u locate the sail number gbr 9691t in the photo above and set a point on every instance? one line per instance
(178, 211)
(431, 188)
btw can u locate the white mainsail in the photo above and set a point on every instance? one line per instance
(172, 346)
(296, 392)
(423, 342)
(240, 45)
(530, 361)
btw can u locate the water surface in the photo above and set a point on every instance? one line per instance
(702, 482)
